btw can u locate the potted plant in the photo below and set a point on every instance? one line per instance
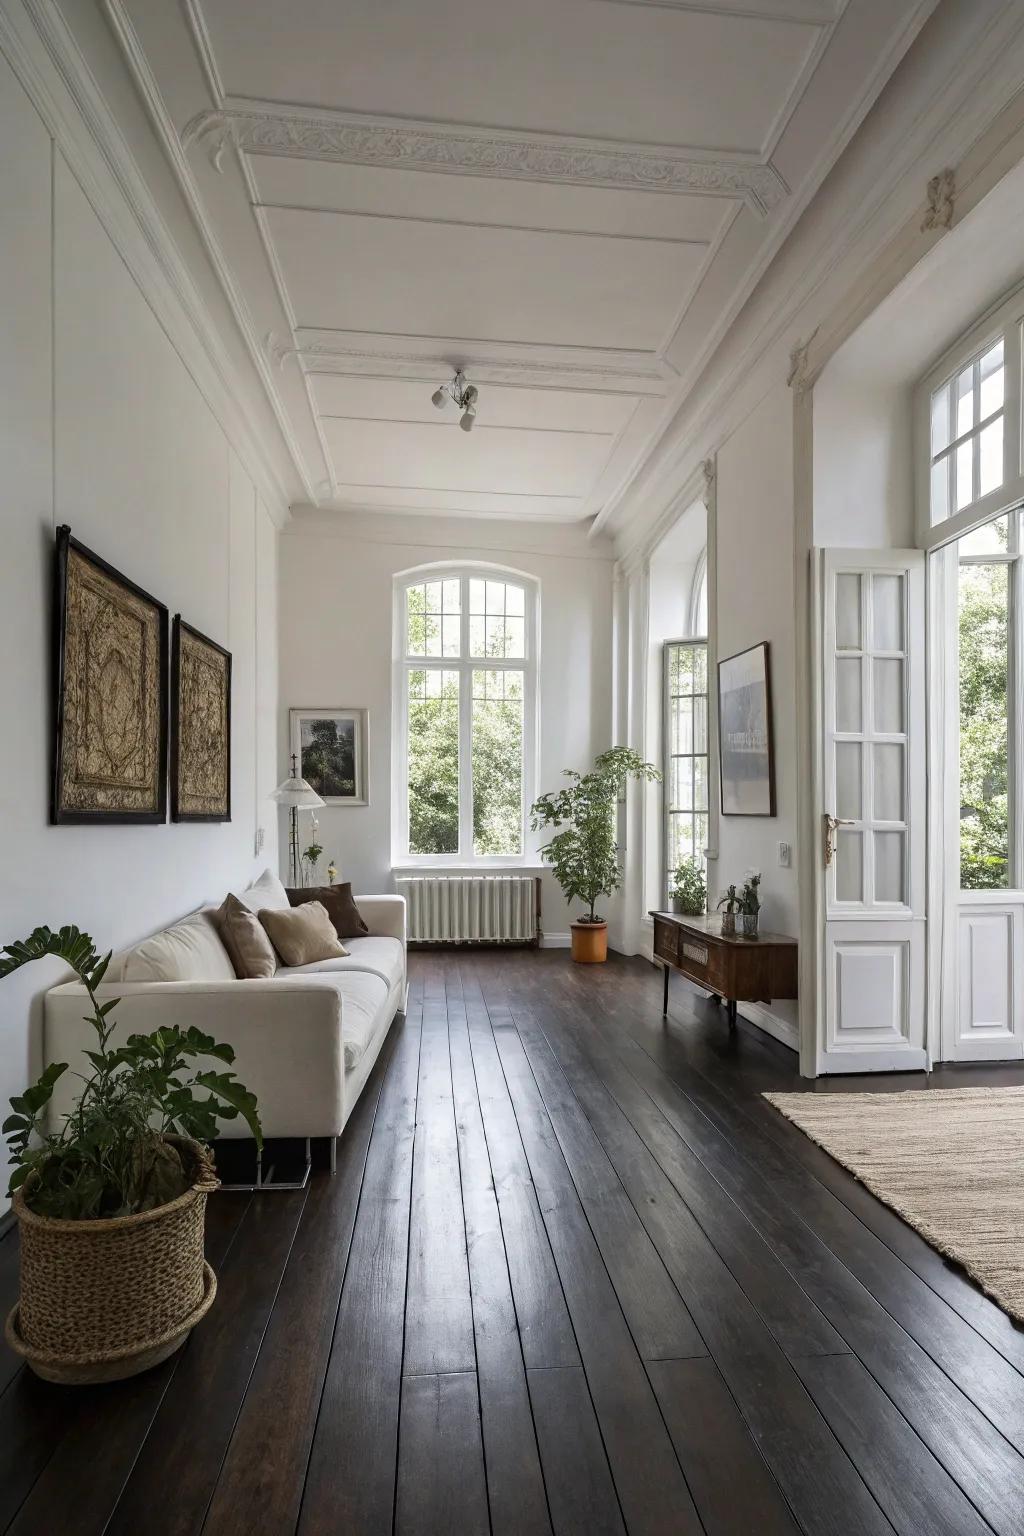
(689, 889)
(731, 903)
(583, 853)
(111, 1203)
(750, 904)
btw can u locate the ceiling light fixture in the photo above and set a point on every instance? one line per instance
(462, 394)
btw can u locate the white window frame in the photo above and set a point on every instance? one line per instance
(1004, 323)
(465, 666)
(667, 871)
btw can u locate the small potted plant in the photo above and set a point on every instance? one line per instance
(583, 853)
(689, 889)
(750, 904)
(311, 856)
(111, 1204)
(729, 905)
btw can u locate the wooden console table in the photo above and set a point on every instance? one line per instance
(736, 970)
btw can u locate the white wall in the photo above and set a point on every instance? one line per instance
(337, 575)
(756, 601)
(103, 428)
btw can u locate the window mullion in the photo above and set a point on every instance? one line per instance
(1015, 720)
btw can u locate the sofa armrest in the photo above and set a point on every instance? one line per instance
(286, 1032)
(383, 915)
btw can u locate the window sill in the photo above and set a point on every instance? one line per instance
(511, 866)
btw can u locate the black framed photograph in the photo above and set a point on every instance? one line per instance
(331, 747)
(200, 726)
(746, 748)
(110, 693)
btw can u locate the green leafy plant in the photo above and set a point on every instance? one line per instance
(689, 887)
(110, 1157)
(731, 901)
(750, 900)
(584, 855)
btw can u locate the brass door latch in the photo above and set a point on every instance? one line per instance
(832, 823)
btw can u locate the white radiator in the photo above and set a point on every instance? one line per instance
(464, 909)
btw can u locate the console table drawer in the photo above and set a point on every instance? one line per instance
(666, 941)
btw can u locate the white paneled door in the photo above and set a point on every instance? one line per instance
(871, 884)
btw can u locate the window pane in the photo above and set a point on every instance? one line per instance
(990, 539)
(888, 866)
(686, 786)
(849, 708)
(415, 608)
(940, 491)
(984, 759)
(887, 760)
(848, 612)
(990, 468)
(887, 681)
(451, 596)
(451, 633)
(849, 865)
(964, 391)
(848, 780)
(941, 434)
(965, 474)
(433, 761)
(990, 371)
(887, 613)
(515, 599)
(497, 747)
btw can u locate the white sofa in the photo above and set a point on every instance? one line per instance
(305, 1039)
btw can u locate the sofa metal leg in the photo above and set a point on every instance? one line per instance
(334, 1156)
(265, 1179)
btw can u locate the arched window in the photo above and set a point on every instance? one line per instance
(699, 599)
(465, 735)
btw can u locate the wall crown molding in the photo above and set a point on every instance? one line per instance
(350, 138)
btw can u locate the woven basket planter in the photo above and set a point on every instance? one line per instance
(101, 1300)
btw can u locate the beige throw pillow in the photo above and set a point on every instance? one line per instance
(245, 939)
(303, 935)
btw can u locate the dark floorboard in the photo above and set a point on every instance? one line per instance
(573, 1278)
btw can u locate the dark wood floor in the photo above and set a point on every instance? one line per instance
(573, 1276)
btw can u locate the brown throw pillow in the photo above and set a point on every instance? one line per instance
(245, 939)
(303, 935)
(340, 904)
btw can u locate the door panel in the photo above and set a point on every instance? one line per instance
(872, 778)
(990, 942)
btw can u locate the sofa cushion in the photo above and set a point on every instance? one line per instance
(340, 904)
(378, 956)
(187, 951)
(266, 893)
(303, 935)
(362, 1006)
(245, 939)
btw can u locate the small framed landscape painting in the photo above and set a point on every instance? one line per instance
(200, 726)
(331, 746)
(745, 733)
(110, 693)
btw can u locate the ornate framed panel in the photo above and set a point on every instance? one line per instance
(200, 726)
(110, 693)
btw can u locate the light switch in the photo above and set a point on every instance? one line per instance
(785, 855)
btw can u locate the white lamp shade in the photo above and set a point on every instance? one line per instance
(296, 792)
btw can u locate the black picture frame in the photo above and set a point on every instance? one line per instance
(61, 813)
(767, 778)
(178, 814)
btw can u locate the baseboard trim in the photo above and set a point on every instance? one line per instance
(780, 1029)
(556, 941)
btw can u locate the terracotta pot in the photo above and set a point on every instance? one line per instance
(590, 943)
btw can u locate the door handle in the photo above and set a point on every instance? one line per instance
(832, 824)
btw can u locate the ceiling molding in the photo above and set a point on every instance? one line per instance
(134, 54)
(348, 138)
(49, 64)
(518, 363)
(812, 13)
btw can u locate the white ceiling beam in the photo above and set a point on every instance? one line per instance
(267, 128)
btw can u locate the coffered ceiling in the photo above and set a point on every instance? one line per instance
(570, 199)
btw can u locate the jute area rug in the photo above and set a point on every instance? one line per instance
(950, 1161)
